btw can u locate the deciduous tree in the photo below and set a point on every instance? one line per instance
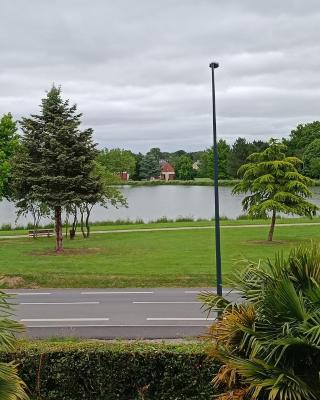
(311, 159)
(207, 158)
(117, 160)
(183, 168)
(109, 195)
(301, 137)
(9, 141)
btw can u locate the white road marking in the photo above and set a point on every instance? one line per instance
(180, 319)
(62, 319)
(29, 294)
(66, 303)
(123, 292)
(166, 302)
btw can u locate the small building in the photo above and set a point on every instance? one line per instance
(167, 171)
(196, 165)
(124, 176)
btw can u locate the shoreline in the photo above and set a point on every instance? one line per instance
(195, 182)
(164, 223)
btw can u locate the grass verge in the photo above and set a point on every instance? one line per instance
(141, 259)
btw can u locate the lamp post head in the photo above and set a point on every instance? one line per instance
(214, 65)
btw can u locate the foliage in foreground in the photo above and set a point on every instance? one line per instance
(11, 386)
(270, 345)
(115, 371)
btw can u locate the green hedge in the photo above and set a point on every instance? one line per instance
(99, 371)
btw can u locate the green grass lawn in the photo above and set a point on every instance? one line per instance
(168, 258)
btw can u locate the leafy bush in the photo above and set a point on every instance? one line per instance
(6, 227)
(98, 371)
(185, 219)
(270, 345)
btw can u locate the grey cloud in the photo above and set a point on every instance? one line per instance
(139, 70)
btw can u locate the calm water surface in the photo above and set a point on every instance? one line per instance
(150, 203)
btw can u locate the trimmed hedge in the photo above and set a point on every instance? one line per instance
(99, 371)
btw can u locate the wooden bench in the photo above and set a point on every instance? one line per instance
(41, 233)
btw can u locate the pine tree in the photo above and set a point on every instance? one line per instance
(149, 167)
(274, 185)
(54, 166)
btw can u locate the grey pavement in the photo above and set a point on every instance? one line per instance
(113, 313)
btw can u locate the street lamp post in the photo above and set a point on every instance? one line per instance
(213, 66)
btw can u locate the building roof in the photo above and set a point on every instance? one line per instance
(167, 167)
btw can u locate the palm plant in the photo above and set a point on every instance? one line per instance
(11, 386)
(269, 345)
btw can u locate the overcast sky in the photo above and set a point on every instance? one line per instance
(138, 69)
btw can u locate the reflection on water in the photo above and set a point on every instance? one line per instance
(150, 203)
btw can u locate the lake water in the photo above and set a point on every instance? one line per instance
(150, 203)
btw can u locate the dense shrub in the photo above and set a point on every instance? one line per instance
(97, 371)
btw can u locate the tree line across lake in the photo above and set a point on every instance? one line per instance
(54, 167)
(303, 142)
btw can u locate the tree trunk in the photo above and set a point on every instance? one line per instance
(58, 227)
(273, 222)
(74, 224)
(67, 225)
(88, 209)
(82, 221)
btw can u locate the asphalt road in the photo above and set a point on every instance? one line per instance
(112, 313)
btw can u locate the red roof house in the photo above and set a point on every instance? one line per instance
(167, 171)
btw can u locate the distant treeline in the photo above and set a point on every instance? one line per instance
(303, 142)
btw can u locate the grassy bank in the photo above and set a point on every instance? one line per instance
(194, 182)
(142, 259)
(7, 230)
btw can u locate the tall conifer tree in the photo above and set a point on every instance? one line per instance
(55, 164)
